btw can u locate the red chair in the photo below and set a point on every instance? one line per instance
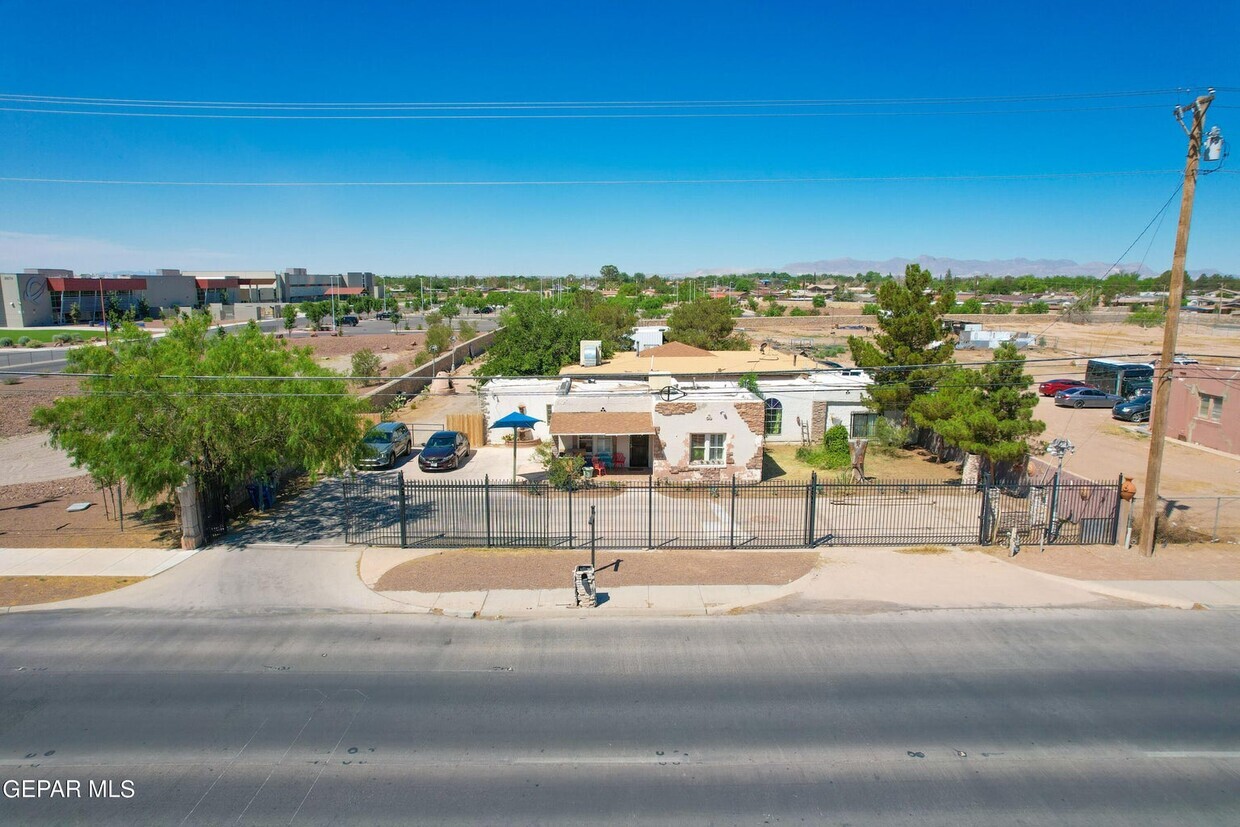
(619, 460)
(599, 468)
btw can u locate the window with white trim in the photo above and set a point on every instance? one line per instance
(1211, 407)
(773, 422)
(706, 449)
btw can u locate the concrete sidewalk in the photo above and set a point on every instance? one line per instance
(848, 580)
(89, 562)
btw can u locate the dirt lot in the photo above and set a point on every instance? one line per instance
(1208, 561)
(395, 350)
(17, 402)
(33, 515)
(475, 569)
(28, 591)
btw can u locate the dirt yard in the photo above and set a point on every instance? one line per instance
(29, 591)
(780, 463)
(476, 569)
(33, 515)
(1206, 561)
(395, 350)
(18, 401)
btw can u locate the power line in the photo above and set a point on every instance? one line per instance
(595, 104)
(872, 179)
(569, 115)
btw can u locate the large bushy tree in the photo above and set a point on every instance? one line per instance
(912, 344)
(988, 412)
(538, 338)
(152, 410)
(705, 323)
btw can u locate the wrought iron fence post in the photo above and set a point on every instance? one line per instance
(404, 538)
(1119, 507)
(348, 512)
(570, 513)
(486, 504)
(983, 519)
(650, 510)
(1051, 516)
(732, 516)
(811, 509)
(592, 561)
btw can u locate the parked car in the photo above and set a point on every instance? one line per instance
(486, 309)
(1134, 410)
(443, 451)
(1139, 389)
(384, 314)
(383, 444)
(1053, 386)
(1087, 398)
(1184, 360)
(350, 320)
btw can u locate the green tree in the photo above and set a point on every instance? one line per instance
(314, 312)
(75, 313)
(366, 364)
(912, 343)
(465, 330)
(438, 338)
(395, 317)
(609, 272)
(290, 318)
(820, 301)
(537, 339)
(705, 323)
(988, 412)
(1034, 307)
(615, 323)
(153, 410)
(971, 305)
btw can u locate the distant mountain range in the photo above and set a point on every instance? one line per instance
(961, 268)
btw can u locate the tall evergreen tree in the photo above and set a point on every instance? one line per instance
(912, 345)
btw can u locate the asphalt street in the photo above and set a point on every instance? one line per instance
(982, 717)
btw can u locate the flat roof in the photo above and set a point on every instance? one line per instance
(715, 361)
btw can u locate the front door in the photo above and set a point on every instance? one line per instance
(639, 451)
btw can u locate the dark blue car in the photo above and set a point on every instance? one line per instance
(444, 451)
(1134, 410)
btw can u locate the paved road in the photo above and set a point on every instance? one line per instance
(1104, 717)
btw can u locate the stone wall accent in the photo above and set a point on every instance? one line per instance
(818, 421)
(753, 414)
(674, 408)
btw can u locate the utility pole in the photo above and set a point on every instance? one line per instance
(1166, 363)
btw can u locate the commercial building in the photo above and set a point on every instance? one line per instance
(38, 296)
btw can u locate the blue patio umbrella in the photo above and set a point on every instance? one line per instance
(514, 420)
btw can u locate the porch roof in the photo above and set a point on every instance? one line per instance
(601, 423)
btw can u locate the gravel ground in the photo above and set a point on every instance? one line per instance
(471, 570)
(17, 402)
(1203, 561)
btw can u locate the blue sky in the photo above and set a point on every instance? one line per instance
(606, 52)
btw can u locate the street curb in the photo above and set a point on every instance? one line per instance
(1122, 594)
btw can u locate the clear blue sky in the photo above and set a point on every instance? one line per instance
(596, 51)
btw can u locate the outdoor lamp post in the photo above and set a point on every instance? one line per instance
(1058, 448)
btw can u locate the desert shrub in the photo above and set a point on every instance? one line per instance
(365, 363)
(1146, 316)
(34, 344)
(421, 358)
(832, 454)
(891, 436)
(562, 472)
(5, 341)
(62, 338)
(12, 380)
(22, 341)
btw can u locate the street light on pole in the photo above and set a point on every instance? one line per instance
(1059, 448)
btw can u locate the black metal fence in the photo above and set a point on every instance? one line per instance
(387, 510)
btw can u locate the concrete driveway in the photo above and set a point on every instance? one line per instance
(489, 460)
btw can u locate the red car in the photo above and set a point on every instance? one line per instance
(1053, 386)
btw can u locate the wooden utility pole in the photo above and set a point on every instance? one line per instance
(1166, 363)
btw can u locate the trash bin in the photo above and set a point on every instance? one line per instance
(583, 587)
